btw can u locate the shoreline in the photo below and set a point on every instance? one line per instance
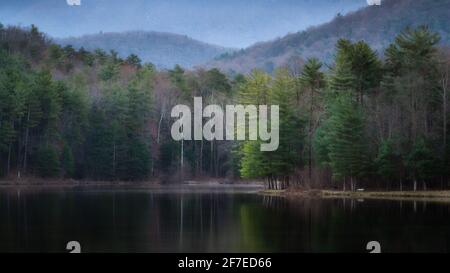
(149, 184)
(437, 196)
(33, 183)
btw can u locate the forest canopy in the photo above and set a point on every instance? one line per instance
(361, 122)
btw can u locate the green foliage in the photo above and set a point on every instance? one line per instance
(103, 119)
(321, 145)
(342, 78)
(177, 78)
(345, 140)
(216, 81)
(167, 151)
(421, 161)
(255, 90)
(67, 162)
(357, 68)
(413, 49)
(254, 164)
(134, 60)
(109, 72)
(388, 161)
(312, 76)
(138, 165)
(280, 163)
(48, 164)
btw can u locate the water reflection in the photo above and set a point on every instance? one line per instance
(214, 221)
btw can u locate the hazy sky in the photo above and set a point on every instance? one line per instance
(233, 23)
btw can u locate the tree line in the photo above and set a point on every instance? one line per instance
(367, 120)
(363, 122)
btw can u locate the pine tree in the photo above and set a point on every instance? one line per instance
(67, 162)
(12, 82)
(357, 68)
(388, 162)
(99, 152)
(256, 89)
(48, 164)
(342, 78)
(312, 80)
(276, 165)
(411, 64)
(288, 156)
(366, 68)
(347, 151)
(253, 163)
(138, 163)
(420, 162)
(134, 60)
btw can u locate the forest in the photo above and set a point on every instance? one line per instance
(367, 120)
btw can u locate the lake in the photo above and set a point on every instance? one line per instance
(191, 218)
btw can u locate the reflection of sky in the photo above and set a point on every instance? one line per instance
(236, 23)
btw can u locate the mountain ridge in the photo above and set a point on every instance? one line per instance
(377, 25)
(163, 49)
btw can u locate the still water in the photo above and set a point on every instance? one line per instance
(213, 219)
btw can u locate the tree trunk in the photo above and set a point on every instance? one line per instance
(444, 102)
(159, 125)
(8, 167)
(201, 157)
(311, 109)
(216, 160)
(445, 116)
(114, 160)
(27, 134)
(211, 159)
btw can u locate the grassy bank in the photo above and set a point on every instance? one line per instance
(393, 195)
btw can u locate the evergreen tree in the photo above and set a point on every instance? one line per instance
(138, 163)
(67, 162)
(420, 162)
(357, 68)
(256, 89)
(342, 78)
(347, 150)
(277, 165)
(48, 164)
(177, 78)
(99, 152)
(312, 80)
(134, 60)
(388, 162)
(411, 76)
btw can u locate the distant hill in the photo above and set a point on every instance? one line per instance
(165, 50)
(377, 25)
(230, 23)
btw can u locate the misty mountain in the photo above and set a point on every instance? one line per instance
(230, 23)
(165, 50)
(377, 25)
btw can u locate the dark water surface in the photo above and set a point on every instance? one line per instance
(213, 219)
